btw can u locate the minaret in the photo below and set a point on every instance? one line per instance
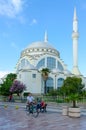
(46, 37)
(75, 36)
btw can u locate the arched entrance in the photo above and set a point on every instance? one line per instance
(60, 82)
(49, 84)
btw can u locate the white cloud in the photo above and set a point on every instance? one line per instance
(34, 21)
(11, 8)
(3, 73)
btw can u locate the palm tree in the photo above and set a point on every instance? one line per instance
(45, 72)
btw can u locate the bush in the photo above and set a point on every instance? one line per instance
(53, 93)
(25, 94)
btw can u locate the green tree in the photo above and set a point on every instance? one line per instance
(72, 89)
(45, 72)
(7, 83)
(53, 92)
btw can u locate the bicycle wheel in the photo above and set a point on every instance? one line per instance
(35, 112)
(27, 110)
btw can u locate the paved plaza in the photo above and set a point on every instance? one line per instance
(17, 119)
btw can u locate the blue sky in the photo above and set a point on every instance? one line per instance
(25, 21)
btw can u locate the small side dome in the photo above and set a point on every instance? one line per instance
(67, 72)
(26, 67)
(29, 67)
(56, 71)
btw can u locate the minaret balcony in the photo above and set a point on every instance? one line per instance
(75, 35)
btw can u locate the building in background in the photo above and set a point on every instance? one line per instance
(39, 55)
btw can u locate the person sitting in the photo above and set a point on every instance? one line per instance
(43, 106)
(30, 100)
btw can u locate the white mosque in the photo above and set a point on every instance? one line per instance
(40, 55)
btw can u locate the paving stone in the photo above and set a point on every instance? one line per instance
(17, 119)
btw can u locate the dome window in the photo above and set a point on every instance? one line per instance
(41, 63)
(60, 67)
(40, 49)
(51, 62)
(35, 49)
(49, 50)
(31, 50)
(52, 50)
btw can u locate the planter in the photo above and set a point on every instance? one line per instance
(65, 110)
(74, 112)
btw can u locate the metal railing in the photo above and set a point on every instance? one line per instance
(58, 100)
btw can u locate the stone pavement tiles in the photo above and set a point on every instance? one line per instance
(17, 119)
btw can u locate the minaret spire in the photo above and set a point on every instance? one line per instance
(75, 16)
(75, 36)
(75, 22)
(46, 37)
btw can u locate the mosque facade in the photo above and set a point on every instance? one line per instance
(39, 55)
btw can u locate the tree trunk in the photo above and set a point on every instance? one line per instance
(74, 103)
(44, 86)
(18, 94)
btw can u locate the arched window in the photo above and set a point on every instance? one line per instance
(60, 82)
(60, 67)
(41, 63)
(18, 67)
(51, 62)
(49, 84)
(24, 62)
(27, 62)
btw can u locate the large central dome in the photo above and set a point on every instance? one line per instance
(40, 48)
(40, 44)
(43, 44)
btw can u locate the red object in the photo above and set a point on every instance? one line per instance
(10, 97)
(43, 104)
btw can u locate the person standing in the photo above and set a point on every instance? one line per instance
(10, 97)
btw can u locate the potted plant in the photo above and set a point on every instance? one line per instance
(72, 89)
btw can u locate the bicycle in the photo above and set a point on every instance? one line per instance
(32, 109)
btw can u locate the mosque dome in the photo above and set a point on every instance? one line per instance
(55, 70)
(67, 72)
(29, 67)
(40, 47)
(44, 44)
